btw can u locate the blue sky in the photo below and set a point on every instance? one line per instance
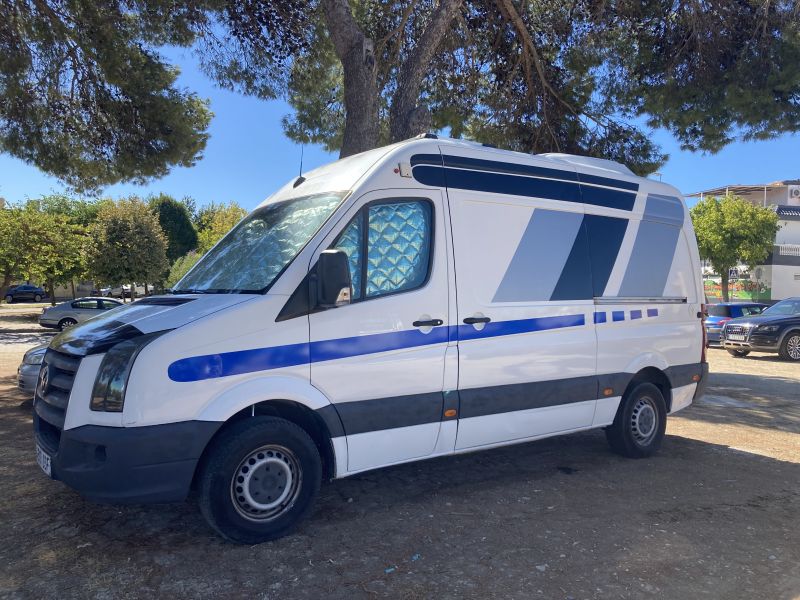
(247, 156)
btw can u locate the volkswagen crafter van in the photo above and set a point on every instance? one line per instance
(423, 299)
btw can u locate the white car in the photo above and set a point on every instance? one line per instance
(123, 291)
(424, 299)
(28, 370)
(73, 312)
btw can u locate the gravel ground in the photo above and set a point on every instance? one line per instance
(713, 515)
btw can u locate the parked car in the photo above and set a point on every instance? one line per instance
(719, 314)
(328, 334)
(777, 329)
(28, 371)
(24, 292)
(73, 312)
(123, 291)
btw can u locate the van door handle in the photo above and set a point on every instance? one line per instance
(473, 320)
(429, 323)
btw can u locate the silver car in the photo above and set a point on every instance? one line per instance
(77, 311)
(28, 371)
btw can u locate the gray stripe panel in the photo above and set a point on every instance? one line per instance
(542, 253)
(666, 209)
(651, 260)
(478, 402)
(386, 413)
(419, 409)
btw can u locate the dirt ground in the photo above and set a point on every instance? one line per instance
(714, 515)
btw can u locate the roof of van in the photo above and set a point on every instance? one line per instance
(345, 173)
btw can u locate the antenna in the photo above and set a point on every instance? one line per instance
(302, 147)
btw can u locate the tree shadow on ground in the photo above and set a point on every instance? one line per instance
(751, 400)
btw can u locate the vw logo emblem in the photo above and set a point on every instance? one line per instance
(44, 380)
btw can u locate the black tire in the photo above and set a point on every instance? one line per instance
(67, 322)
(739, 353)
(37, 298)
(641, 407)
(790, 346)
(10, 299)
(294, 458)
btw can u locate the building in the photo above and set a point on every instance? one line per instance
(779, 277)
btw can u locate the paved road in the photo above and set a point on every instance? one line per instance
(714, 515)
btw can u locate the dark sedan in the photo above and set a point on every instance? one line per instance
(777, 329)
(20, 293)
(719, 314)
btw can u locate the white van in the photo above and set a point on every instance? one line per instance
(423, 299)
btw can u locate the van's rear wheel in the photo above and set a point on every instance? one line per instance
(638, 428)
(260, 480)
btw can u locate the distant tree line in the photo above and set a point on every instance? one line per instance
(58, 239)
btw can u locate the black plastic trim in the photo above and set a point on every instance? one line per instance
(154, 463)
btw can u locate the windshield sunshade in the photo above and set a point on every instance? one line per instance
(250, 257)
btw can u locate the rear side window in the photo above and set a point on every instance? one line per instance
(719, 311)
(389, 247)
(85, 304)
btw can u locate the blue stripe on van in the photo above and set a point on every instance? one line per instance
(210, 366)
(477, 164)
(520, 180)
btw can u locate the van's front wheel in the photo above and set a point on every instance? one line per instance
(638, 428)
(260, 479)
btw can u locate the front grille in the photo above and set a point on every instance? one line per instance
(52, 395)
(736, 330)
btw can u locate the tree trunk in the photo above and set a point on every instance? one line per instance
(7, 278)
(72, 285)
(724, 284)
(51, 290)
(133, 292)
(406, 117)
(361, 96)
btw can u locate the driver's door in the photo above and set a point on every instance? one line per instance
(381, 358)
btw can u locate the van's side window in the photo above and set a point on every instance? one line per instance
(397, 238)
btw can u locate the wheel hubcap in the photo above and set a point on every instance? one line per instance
(644, 421)
(266, 483)
(793, 347)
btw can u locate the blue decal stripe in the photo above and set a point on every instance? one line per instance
(520, 180)
(198, 368)
(371, 344)
(636, 314)
(618, 315)
(652, 312)
(600, 317)
(469, 332)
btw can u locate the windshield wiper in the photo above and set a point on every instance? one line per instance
(191, 291)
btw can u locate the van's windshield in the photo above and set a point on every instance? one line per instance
(249, 258)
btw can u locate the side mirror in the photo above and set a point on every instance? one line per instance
(333, 279)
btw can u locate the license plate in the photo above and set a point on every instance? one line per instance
(735, 337)
(44, 461)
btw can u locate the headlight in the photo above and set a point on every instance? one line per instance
(111, 382)
(767, 328)
(35, 358)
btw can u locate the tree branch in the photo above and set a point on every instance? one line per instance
(415, 67)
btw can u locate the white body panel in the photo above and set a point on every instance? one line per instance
(394, 392)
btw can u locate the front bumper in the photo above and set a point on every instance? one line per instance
(27, 376)
(752, 345)
(126, 465)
